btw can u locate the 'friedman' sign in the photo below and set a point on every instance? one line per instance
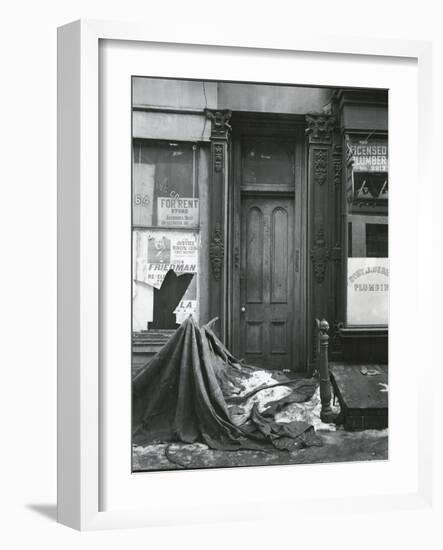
(160, 250)
(368, 291)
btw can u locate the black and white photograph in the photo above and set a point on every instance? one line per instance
(221, 275)
(260, 274)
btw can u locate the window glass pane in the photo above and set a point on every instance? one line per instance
(165, 184)
(376, 240)
(367, 217)
(369, 193)
(268, 161)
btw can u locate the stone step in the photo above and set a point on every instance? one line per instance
(362, 391)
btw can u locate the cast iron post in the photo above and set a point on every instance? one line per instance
(326, 414)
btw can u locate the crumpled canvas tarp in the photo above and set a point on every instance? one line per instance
(188, 391)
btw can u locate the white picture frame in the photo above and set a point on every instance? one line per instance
(83, 442)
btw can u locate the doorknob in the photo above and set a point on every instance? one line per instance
(243, 309)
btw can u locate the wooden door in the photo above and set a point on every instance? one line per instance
(267, 281)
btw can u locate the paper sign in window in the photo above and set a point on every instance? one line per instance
(368, 291)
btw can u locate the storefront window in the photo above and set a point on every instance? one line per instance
(165, 234)
(367, 226)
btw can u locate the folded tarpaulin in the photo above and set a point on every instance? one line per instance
(182, 394)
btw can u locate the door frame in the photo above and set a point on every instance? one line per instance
(290, 127)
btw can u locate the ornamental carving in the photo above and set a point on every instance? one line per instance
(217, 251)
(320, 166)
(337, 171)
(218, 155)
(319, 256)
(220, 123)
(320, 127)
(338, 163)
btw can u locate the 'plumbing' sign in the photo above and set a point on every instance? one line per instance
(368, 291)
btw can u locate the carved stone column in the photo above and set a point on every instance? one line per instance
(321, 177)
(220, 129)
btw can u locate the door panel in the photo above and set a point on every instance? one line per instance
(254, 255)
(267, 281)
(279, 256)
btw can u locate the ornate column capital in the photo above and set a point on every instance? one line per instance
(220, 123)
(320, 127)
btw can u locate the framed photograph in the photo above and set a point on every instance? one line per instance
(232, 276)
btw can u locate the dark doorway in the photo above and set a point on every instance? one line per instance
(269, 232)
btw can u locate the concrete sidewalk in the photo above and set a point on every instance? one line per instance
(336, 446)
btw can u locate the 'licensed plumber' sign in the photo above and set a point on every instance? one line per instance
(368, 291)
(369, 155)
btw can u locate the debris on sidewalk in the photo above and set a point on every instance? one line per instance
(194, 390)
(197, 406)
